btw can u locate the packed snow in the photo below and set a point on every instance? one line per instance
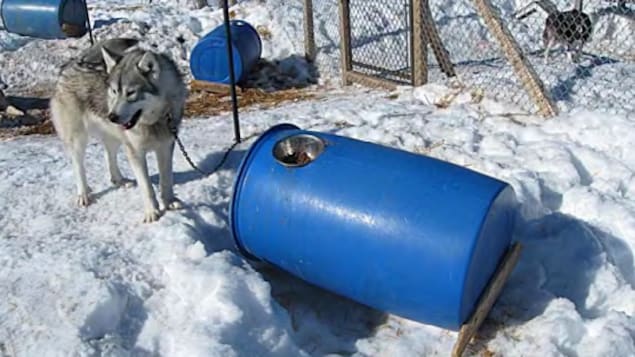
(95, 281)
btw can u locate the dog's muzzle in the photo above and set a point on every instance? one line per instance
(114, 118)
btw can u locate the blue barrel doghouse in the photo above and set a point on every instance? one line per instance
(401, 232)
(46, 19)
(209, 62)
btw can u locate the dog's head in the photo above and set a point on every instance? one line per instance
(133, 90)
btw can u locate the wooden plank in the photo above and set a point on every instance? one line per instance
(309, 35)
(489, 296)
(419, 45)
(369, 81)
(345, 40)
(432, 37)
(211, 87)
(523, 69)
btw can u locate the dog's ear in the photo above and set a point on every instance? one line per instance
(149, 65)
(110, 59)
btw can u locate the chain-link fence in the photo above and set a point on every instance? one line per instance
(583, 57)
(381, 38)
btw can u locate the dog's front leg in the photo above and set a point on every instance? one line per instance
(166, 177)
(140, 168)
(78, 151)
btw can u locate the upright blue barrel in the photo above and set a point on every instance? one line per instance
(404, 233)
(45, 18)
(209, 62)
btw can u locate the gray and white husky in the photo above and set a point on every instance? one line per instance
(126, 96)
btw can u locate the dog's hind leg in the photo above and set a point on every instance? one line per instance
(139, 166)
(112, 146)
(578, 52)
(69, 126)
(548, 50)
(165, 153)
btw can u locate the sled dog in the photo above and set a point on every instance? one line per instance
(124, 96)
(572, 29)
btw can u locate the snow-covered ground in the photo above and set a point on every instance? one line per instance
(97, 282)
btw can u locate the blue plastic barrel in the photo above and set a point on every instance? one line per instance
(44, 18)
(209, 62)
(401, 232)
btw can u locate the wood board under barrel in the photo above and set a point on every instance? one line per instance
(489, 296)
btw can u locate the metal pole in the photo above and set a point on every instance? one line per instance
(232, 79)
(90, 28)
(309, 35)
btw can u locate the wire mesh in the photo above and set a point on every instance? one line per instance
(590, 61)
(584, 58)
(381, 38)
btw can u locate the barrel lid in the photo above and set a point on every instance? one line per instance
(242, 23)
(238, 181)
(209, 62)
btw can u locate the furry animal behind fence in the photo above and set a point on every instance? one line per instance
(571, 29)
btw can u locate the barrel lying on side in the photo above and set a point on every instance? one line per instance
(46, 19)
(209, 62)
(404, 233)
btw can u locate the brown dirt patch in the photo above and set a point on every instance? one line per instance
(203, 103)
(200, 103)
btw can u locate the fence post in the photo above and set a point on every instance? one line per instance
(432, 35)
(523, 69)
(419, 45)
(579, 4)
(309, 35)
(345, 40)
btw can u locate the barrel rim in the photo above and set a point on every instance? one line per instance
(236, 21)
(239, 179)
(4, 22)
(60, 20)
(60, 13)
(503, 189)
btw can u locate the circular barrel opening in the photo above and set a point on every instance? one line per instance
(298, 150)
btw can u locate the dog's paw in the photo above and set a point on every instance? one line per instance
(123, 182)
(173, 205)
(83, 200)
(151, 216)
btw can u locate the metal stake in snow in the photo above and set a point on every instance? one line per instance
(88, 25)
(232, 79)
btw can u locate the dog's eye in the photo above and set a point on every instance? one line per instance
(131, 93)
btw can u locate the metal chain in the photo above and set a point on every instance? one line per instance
(173, 130)
(220, 164)
(189, 160)
(217, 167)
